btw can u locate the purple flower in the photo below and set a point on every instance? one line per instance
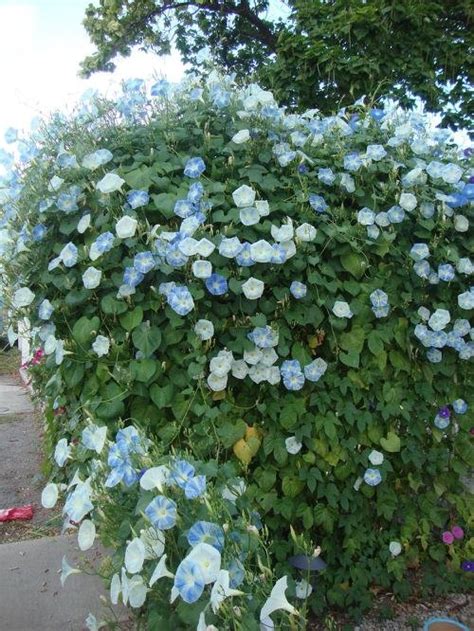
(467, 566)
(447, 537)
(458, 532)
(444, 412)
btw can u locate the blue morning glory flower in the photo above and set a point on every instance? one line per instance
(189, 581)
(419, 251)
(422, 269)
(10, 135)
(372, 477)
(244, 257)
(195, 487)
(160, 88)
(69, 255)
(377, 114)
(45, 310)
(66, 161)
(366, 217)
(396, 214)
(434, 355)
(38, 232)
(184, 208)
(132, 85)
(375, 152)
(461, 327)
(181, 300)
(67, 202)
(294, 381)
(144, 262)
(298, 290)
(279, 254)
(128, 440)
(352, 161)
(315, 370)
(378, 298)
(441, 421)
(302, 169)
(381, 312)
(132, 277)
(236, 573)
(216, 284)
(162, 513)
(104, 242)
(206, 532)
(326, 176)
(263, 336)
(460, 406)
(182, 473)
(194, 167)
(221, 99)
(196, 191)
(137, 198)
(290, 367)
(122, 469)
(175, 257)
(317, 203)
(445, 272)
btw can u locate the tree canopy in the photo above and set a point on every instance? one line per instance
(324, 53)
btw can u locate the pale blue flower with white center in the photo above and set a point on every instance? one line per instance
(341, 309)
(446, 272)
(196, 94)
(181, 300)
(121, 468)
(175, 257)
(439, 339)
(196, 487)
(221, 98)
(326, 176)
(216, 285)
(422, 269)
(104, 242)
(280, 253)
(78, 503)
(461, 327)
(261, 251)
(69, 255)
(230, 248)
(236, 573)
(434, 355)
(66, 160)
(347, 182)
(290, 367)
(208, 559)
(465, 266)
(419, 251)
(467, 351)
(39, 232)
(244, 196)
(97, 159)
(408, 201)
(244, 257)
(375, 152)
(315, 370)
(128, 440)
(466, 299)
(162, 512)
(205, 247)
(454, 340)
(451, 173)
(372, 477)
(352, 161)
(298, 290)
(396, 214)
(294, 382)
(317, 203)
(188, 581)
(264, 337)
(91, 278)
(164, 289)
(188, 246)
(190, 225)
(45, 310)
(202, 269)
(427, 210)
(381, 312)
(206, 532)
(93, 437)
(253, 288)
(44, 205)
(181, 473)
(195, 193)
(439, 319)
(132, 277)
(160, 88)
(194, 167)
(373, 231)
(62, 452)
(184, 208)
(204, 329)
(378, 298)
(460, 406)
(441, 422)
(249, 216)
(144, 262)
(67, 202)
(366, 217)
(137, 198)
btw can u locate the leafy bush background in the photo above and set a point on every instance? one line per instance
(379, 391)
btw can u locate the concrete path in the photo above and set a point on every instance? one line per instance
(31, 595)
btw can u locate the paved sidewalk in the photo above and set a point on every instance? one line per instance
(31, 595)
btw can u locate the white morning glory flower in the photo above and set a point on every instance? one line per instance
(110, 183)
(155, 478)
(284, 233)
(341, 309)
(50, 495)
(154, 542)
(222, 363)
(160, 571)
(366, 217)
(91, 277)
(126, 227)
(461, 223)
(67, 570)
(263, 207)
(207, 559)
(62, 452)
(93, 437)
(466, 300)
(375, 152)
(86, 535)
(239, 369)
(22, 297)
(205, 247)
(303, 589)
(259, 373)
(137, 591)
(293, 446)
(408, 201)
(253, 288)
(204, 329)
(395, 548)
(216, 383)
(188, 246)
(276, 600)
(261, 251)
(115, 589)
(439, 319)
(230, 247)
(244, 196)
(249, 216)
(241, 136)
(202, 269)
(96, 159)
(222, 590)
(134, 556)
(84, 223)
(101, 345)
(306, 232)
(376, 457)
(55, 183)
(419, 251)
(45, 309)
(451, 173)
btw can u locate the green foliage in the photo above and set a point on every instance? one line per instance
(379, 392)
(315, 53)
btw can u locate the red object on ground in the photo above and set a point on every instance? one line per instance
(17, 512)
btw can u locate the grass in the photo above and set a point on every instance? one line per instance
(9, 360)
